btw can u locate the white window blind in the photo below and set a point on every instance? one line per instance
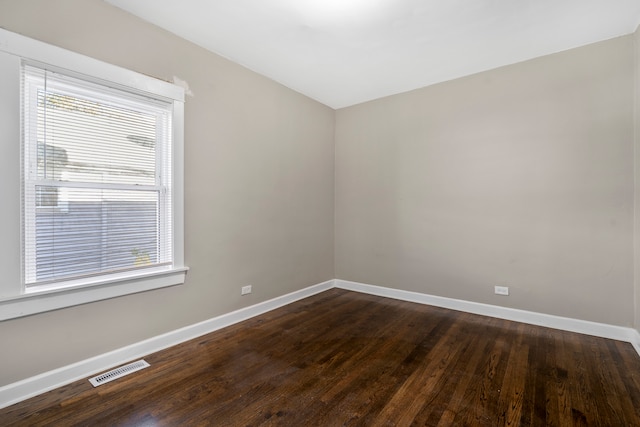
(96, 180)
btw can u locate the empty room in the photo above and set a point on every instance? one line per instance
(320, 213)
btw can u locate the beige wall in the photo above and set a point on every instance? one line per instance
(259, 189)
(520, 176)
(636, 118)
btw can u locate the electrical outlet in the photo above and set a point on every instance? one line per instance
(501, 290)
(246, 290)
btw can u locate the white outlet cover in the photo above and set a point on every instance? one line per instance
(501, 290)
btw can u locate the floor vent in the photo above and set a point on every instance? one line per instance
(120, 372)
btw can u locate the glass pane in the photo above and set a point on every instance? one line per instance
(83, 140)
(92, 231)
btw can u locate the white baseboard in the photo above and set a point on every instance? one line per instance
(30, 387)
(603, 330)
(635, 340)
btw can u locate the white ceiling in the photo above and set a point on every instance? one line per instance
(344, 52)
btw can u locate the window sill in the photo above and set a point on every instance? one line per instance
(39, 302)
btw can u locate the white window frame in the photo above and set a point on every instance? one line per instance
(15, 299)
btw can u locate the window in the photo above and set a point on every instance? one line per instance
(96, 180)
(101, 178)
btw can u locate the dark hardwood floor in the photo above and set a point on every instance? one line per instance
(347, 359)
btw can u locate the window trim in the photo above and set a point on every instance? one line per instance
(41, 54)
(28, 304)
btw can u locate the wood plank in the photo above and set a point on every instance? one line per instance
(344, 358)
